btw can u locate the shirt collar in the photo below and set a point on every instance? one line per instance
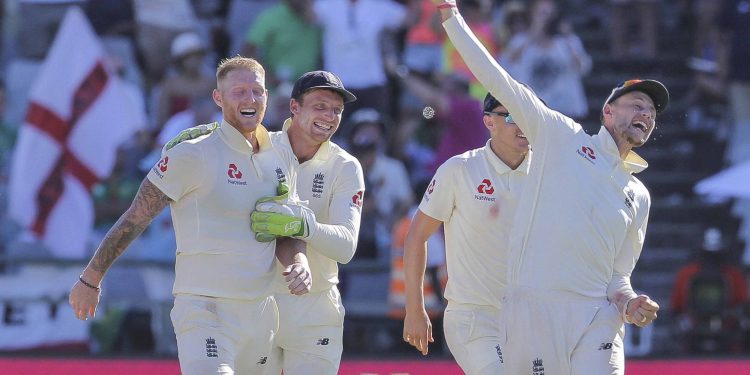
(499, 166)
(633, 163)
(238, 142)
(324, 150)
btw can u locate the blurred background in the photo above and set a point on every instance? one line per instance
(88, 97)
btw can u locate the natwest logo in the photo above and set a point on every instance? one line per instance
(161, 167)
(233, 172)
(587, 153)
(163, 164)
(235, 175)
(357, 198)
(486, 187)
(431, 187)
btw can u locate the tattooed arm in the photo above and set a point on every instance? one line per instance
(148, 203)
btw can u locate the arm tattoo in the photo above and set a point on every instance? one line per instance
(148, 202)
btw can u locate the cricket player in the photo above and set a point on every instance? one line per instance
(224, 315)
(474, 195)
(575, 243)
(330, 180)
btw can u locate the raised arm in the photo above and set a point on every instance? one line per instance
(527, 109)
(148, 202)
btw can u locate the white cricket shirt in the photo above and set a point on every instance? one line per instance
(332, 183)
(475, 195)
(214, 181)
(584, 215)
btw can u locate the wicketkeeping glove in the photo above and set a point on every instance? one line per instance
(279, 216)
(191, 133)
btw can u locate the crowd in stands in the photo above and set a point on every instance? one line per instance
(417, 102)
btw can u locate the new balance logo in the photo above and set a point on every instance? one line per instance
(605, 346)
(212, 351)
(323, 341)
(262, 360)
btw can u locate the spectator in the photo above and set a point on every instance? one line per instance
(286, 39)
(241, 15)
(513, 20)
(708, 298)
(458, 113)
(631, 17)
(706, 98)
(477, 16)
(158, 22)
(735, 24)
(423, 55)
(190, 80)
(551, 59)
(354, 33)
(389, 193)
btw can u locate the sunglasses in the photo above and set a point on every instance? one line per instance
(506, 115)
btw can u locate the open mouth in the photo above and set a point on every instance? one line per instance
(521, 136)
(248, 112)
(640, 126)
(324, 127)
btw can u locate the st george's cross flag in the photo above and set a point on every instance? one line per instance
(79, 112)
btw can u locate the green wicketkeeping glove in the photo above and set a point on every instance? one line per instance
(191, 133)
(279, 217)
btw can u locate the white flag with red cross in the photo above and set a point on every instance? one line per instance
(79, 113)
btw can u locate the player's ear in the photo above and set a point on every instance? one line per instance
(488, 122)
(216, 95)
(294, 106)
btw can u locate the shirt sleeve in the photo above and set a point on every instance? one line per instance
(619, 290)
(337, 239)
(530, 113)
(439, 198)
(180, 170)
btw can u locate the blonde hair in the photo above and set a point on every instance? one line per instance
(238, 62)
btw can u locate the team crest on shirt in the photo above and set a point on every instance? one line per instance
(537, 367)
(587, 153)
(317, 185)
(280, 175)
(161, 167)
(212, 351)
(485, 191)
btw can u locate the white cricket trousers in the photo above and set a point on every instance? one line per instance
(473, 336)
(556, 332)
(223, 336)
(310, 336)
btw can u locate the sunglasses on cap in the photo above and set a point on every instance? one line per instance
(508, 117)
